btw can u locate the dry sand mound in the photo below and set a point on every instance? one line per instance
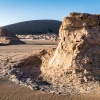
(31, 66)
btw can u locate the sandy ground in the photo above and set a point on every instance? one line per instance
(29, 47)
(23, 48)
(39, 42)
(11, 91)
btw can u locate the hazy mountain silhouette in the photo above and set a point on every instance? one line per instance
(34, 27)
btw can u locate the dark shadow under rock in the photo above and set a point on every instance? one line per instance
(30, 66)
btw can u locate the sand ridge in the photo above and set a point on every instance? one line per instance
(11, 91)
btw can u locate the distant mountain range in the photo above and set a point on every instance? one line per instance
(34, 27)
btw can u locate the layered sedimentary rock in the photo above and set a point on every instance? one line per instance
(77, 57)
(7, 37)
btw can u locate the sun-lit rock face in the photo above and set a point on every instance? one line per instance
(7, 37)
(78, 51)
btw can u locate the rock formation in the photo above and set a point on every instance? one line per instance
(77, 57)
(73, 67)
(7, 37)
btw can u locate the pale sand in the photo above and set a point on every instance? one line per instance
(11, 91)
(39, 42)
(23, 48)
(29, 47)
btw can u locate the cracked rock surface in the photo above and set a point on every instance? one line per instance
(76, 61)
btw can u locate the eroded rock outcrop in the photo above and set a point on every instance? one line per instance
(7, 37)
(77, 56)
(72, 68)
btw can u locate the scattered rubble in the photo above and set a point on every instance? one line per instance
(51, 36)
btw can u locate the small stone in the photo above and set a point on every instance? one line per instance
(36, 87)
(85, 79)
(53, 92)
(30, 87)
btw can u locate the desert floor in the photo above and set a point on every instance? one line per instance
(11, 91)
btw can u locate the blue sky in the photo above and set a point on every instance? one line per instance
(13, 11)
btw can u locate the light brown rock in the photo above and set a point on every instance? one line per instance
(7, 37)
(78, 52)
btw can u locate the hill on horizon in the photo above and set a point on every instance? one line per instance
(34, 27)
